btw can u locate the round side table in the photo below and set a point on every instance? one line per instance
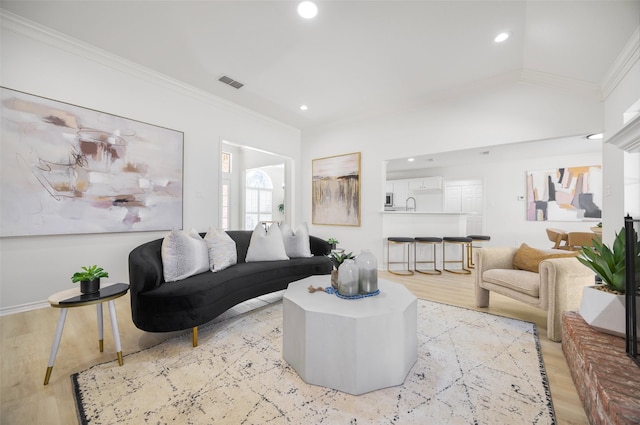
(70, 298)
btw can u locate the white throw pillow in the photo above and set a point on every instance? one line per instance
(296, 243)
(222, 249)
(183, 255)
(266, 245)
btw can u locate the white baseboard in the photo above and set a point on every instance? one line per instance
(23, 307)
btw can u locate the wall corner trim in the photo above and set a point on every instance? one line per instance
(628, 137)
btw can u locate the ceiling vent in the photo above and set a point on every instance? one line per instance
(230, 81)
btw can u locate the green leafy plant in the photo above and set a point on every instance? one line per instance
(332, 241)
(338, 258)
(609, 263)
(89, 273)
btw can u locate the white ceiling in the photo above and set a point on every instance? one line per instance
(355, 57)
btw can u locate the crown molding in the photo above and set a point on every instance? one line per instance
(628, 137)
(571, 85)
(629, 55)
(33, 30)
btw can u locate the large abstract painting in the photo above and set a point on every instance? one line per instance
(565, 194)
(71, 170)
(336, 190)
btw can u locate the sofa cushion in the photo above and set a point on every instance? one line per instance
(296, 243)
(183, 255)
(222, 249)
(266, 245)
(519, 280)
(528, 258)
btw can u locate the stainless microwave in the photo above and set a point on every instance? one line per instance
(388, 199)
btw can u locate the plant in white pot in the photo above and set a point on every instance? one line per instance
(89, 278)
(603, 305)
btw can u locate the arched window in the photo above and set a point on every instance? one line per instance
(258, 202)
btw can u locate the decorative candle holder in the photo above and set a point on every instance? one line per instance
(348, 278)
(367, 272)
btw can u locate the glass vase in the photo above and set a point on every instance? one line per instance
(367, 272)
(348, 278)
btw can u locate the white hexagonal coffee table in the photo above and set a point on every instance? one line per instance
(354, 346)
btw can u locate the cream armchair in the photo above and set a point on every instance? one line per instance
(556, 288)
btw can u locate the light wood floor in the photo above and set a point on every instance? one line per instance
(27, 338)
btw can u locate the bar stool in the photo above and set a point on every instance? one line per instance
(427, 240)
(475, 239)
(405, 243)
(464, 243)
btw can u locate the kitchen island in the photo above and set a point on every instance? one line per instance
(418, 223)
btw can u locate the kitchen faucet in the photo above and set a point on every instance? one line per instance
(406, 204)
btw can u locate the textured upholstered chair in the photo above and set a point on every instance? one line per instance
(555, 287)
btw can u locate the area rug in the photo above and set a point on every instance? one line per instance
(472, 368)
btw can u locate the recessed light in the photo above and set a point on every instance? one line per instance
(411, 159)
(307, 9)
(501, 37)
(303, 107)
(596, 136)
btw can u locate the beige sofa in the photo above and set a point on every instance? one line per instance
(557, 287)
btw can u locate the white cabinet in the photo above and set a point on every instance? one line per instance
(400, 193)
(400, 190)
(463, 198)
(466, 197)
(425, 184)
(453, 199)
(388, 187)
(471, 201)
(423, 189)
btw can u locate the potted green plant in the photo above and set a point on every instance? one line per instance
(337, 258)
(608, 263)
(603, 305)
(89, 278)
(333, 242)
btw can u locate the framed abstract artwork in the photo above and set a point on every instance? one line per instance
(565, 194)
(336, 190)
(72, 170)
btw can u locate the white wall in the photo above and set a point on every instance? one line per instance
(504, 113)
(40, 62)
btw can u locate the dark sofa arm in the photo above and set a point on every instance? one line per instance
(319, 246)
(145, 267)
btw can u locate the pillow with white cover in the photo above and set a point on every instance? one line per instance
(266, 245)
(296, 243)
(183, 255)
(222, 249)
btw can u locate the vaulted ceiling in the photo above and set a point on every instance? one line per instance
(355, 57)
